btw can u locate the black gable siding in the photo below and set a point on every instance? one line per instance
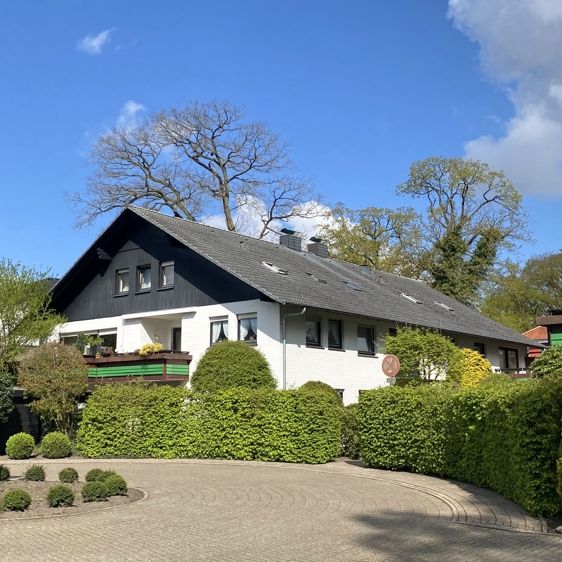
(197, 281)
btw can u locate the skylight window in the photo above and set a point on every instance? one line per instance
(274, 268)
(411, 298)
(445, 306)
(312, 276)
(352, 285)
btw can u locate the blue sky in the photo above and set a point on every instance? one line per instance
(359, 89)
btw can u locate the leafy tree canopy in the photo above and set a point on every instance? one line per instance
(549, 363)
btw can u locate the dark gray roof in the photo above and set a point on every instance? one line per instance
(329, 284)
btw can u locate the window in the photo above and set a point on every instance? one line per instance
(411, 298)
(122, 282)
(176, 339)
(335, 334)
(392, 332)
(219, 330)
(313, 332)
(445, 306)
(509, 359)
(274, 267)
(480, 347)
(248, 328)
(365, 340)
(69, 340)
(166, 274)
(144, 278)
(340, 392)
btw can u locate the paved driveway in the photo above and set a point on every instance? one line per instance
(219, 510)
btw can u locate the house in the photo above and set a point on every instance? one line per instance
(553, 323)
(540, 335)
(150, 277)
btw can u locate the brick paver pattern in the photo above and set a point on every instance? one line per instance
(220, 510)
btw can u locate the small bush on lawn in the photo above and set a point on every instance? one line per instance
(4, 473)
(68, 475)
(350, 432)
(60, 496)
(20, 446)
(56, 445)
(319, 386)
(16, 500)
(116, 485)
(95, 475)
(35, 473)
(232, 364)
(95, 491)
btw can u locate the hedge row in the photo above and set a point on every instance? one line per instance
(504, 437)
(136, 421)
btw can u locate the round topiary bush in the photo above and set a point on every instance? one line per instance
(232, 364)
(4, 473)
(68, 475)
(319, 386)
(35, 473)
(95, 475)
(16, 500)
(116, 485)
(20, 446)
(56, 445)
(60, 496)
(95, 491)
(469, 368)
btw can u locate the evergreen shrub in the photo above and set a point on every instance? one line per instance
(350, 432)
(116, 485)
(20, 446)
(319, 386)
(95, 491)
(56, 445)
(60, 496)
(16, 500)
(136, 421)
(35, 473)
(95, 475)
(229, 364)
(469, 368)
(68, 475)
(4, 473)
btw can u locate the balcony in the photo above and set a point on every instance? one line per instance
(164, 367)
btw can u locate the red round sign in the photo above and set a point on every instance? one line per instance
(390, 365)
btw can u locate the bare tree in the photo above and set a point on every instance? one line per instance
(197, 161)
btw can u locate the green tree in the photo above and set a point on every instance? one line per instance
(55, 375)
(424, 355)
(549, 363)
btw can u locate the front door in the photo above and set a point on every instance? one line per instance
(176, 339)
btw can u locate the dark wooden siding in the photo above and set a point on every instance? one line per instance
(90, 293)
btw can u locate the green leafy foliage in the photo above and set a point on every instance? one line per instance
(6, 388)
(56, 376)
(16, 500)
(322, 387)
(95, 475)
(68, 475)
(350, 432)
(95, 491)
(116, 485)
(4, 473)
(231, 364)
(424, 355)
(60, 496)
(505, 437)
(20, 446)
(136, 421)
(469, 368)
(56, 445)
(549, 363)
(35, 473)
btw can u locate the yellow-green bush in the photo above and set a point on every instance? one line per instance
(469, 368)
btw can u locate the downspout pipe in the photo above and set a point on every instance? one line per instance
(285, 316)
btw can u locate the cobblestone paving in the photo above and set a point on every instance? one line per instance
(219, 510)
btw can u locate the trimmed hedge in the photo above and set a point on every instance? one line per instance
(56, 445)
(503, 437)
(16, 500)
(68, 475)
(60, 496)
(95, 491)
(20, 446)
(35, 473)
(135, 421)
(4, 473)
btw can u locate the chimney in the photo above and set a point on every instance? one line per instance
(318, 248)
(290, 239)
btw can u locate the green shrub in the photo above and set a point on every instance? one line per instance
(116, 485)
(559, 472)
(35, 473)
(95, 491)
(16, 500)
(56, 445)
(137, 421)
(549, 363)
(95, 475)
(469, 368)
(319, 386)
(60, 496)
(232, 364)
(350, 432)
(68, 475)
(505, 437)
(20, 446)
(4, 473)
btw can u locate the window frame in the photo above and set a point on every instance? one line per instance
(141, 268)
(161, 266)
(341, 346)
(373, 340)
(317, 320)
(118, 272)
(506, 351)
(249, 316)
(481, 348)
(221, 320)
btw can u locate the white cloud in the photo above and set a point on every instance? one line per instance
(93, 44)
(520, 44)
(129, 115)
